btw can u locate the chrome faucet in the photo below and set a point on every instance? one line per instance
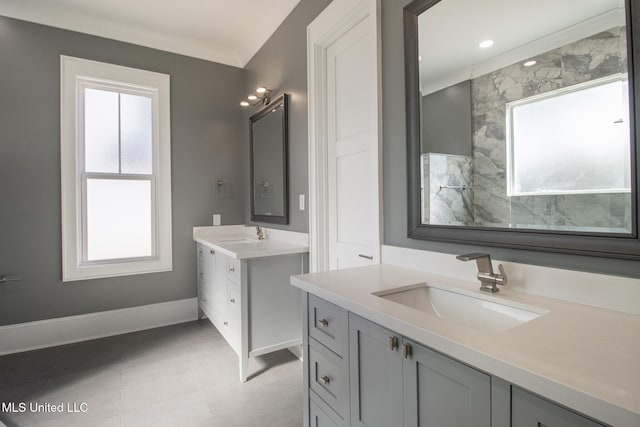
(488, 279)
(259, 232)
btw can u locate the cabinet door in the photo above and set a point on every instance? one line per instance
(375, 371)
(207, 270)
(206, 281)
(441, 392)
(234, 315)
(528, 410)
(219, 294)
(200, 270)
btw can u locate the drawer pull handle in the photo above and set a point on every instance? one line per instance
(232, 269)
(325, 379)
(323, 322)
(233, 300)
(406, 350)
(393, 343)
(203, 299)
(365, 256)
(212, 252)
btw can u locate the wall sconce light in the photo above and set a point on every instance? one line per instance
(263, 97)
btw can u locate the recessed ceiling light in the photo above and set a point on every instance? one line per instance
(485, 44)
(261, 89)
(252, 97)
(244, 104)
(530, 63)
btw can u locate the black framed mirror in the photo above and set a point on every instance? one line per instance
(511, 140)
(269, 164)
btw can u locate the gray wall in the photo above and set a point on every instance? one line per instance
(207, 136)
(446, 120)
(281, 65)
(394, 168)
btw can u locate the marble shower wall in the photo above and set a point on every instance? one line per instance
(597, 56)
(602, 212)
(449, 180)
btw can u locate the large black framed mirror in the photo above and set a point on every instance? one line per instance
(269, 164)
(521, 124)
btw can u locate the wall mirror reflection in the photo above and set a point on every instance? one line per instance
(525, 115)
(519, 113)
(269, 139)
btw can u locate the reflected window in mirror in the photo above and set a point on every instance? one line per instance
(530, 133)
(570, 141)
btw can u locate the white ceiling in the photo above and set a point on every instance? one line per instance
(225, 31)
(450, 31)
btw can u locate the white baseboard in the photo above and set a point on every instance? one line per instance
(65, 330)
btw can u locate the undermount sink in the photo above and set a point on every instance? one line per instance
(476, 311)
(240, 240)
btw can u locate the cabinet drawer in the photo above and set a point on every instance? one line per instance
(528, 410)
(328, 324)
(328, 377)
(320, 415)
(233, 270)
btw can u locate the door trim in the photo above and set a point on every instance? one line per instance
(337, 19)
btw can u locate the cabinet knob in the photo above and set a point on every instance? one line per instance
(325, 379)
(323, 322)
(212, 252)
(232, 269)
(226, 323)
(233, 300)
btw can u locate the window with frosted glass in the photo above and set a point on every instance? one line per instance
(118, 175)
(572, 140)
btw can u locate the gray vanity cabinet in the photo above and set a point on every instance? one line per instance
(393, 381)
(439, 391)
(250, 302)
(396, 382)
(528, 410)
(375, 367)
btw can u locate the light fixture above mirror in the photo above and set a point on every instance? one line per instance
(261, 96)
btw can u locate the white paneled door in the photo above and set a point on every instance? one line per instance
(344, 135)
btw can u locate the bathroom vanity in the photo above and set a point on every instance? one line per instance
(393, 346)
(243, 288)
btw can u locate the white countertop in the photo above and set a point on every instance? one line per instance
(583, 357)
(240, 242)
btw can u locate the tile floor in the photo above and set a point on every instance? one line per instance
(181, 375)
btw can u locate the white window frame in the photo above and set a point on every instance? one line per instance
(75, 75)
(510, 155)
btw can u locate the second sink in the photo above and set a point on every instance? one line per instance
(475, 311)
(240, 240)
